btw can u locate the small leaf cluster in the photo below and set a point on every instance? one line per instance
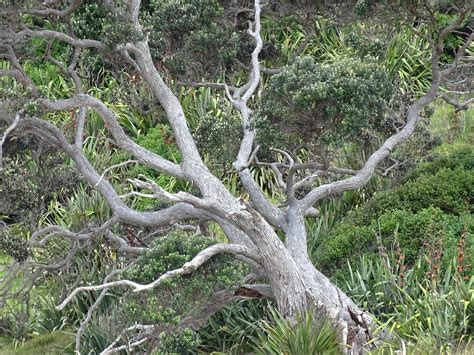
(13, 243)
(366, 45)
(213, 136)
(328, 103)
(180, 342)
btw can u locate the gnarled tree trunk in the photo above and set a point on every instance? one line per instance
(298, 287)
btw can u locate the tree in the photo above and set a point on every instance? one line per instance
(251, 227)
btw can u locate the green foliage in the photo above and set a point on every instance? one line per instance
(78, 210)
(366, 45)
(93, 20)
(27, 184)
(180, 17)
(95, 338)
(411, 230)
(46, 318)
(214, 125)
(160, 141)
(173, 298)
(235, 329)
(432, 310)
(182, 33)
(403, 54)
(175, 249)
(408, 59)
(317, 101)
(434, 203)
(213, 136)
(458, 159)
(14, 243)
(56, 343)
(447, 189)
(179, 343)
(50, 81)
(308, 336)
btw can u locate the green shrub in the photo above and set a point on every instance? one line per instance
(410, 230)
(167, 303)
(175, 249)
(13, 243)
(462, 157)
(435, 202)
(179, 343)
(94, 20)
(447, 189)
(317, 101)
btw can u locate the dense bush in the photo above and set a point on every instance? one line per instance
(410, 230)
(435, 202)
(167, 303)
(94, 20)
(460, 158)
(183, 33)
(449, 190)
(328, 102)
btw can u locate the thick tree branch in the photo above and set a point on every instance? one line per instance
(168, 216)
(170, 103)
(121, 139)
(260, 202)
(244, 157)
(60, 36)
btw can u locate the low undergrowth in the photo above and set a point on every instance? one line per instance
(426, 307)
